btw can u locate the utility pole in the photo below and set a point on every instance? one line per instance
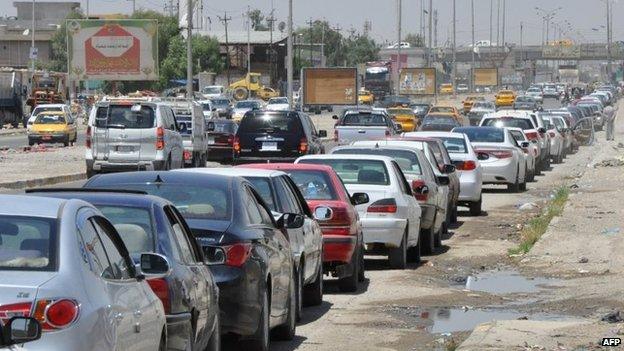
(271, 20)
(248, 40)
(398, 76)
(491, 17)
(454, 75)
(609, 24)
(472, 85)
(435, 28)
(429, 56)
(32, 45)
(311, 23)
(225, 19)
(323, 46)
(504, 22)
(87, 8)
(521, 33)
(133, 6)
(498, 23)
(289, 60)
(189, 48)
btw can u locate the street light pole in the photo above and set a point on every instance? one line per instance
(289, 54)
(609, 24)
(429, 56)
(189, 48)
(248, 41)
(32, 42)
(454, 49)
(398, 77)
(472, 83)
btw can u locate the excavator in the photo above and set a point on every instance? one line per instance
(249, 87)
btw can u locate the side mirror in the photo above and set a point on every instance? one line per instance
(214, 255)
(444, 180)
(335, 117)
(323, 213)
(482, 156)
(524, 144)
(173, 127)
(541, 130)
(398, 127)
(359, 199)
(322, 133)
(19, 330)
(448, 169)
(210, 127)
(214, 109)
(154, 266)
(292, 220)
(419, 187)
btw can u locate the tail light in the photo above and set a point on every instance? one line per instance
(383, 206)
(497, 153)
(53, 314)
(387, 133)
(532, 136)
(303, 146)
(230, 140)
(236, 144)
(552, 134)
(21, 309)
(160, 287)
(187, 155)
(236, 255)
(160, 138)
(336, 135)
(420, 189)
(336, 230)
(465, 165)
(88, 139)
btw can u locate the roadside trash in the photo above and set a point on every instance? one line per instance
(574, 186)
(528, 206)
(611, 162)
(583, 271)
(583, 260)
(523, 318)
(460, 279)
(613, 317)
(610, 231)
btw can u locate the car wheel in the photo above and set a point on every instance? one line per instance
(66, 141)
(162, 346)
(475, 207)
(260, 341)
(427, 240)
(287, 330)
(523, 186)
(454, 213)
(362, 269)
(531, 177)
(30, 142)
(350, 283)
(413, 253)
(398, 256)
(313, 293)
(299, 294)
(514, 187)
(438, 238)
(214, 344)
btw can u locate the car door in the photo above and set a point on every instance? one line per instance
(413, 208)
(172, 137)
(288, 204)
(520, 155)
(316, 145)
(143, 331)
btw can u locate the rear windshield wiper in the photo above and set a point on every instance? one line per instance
(116, 126)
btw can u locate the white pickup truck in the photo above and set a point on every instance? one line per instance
(192, 125)
(356, 125)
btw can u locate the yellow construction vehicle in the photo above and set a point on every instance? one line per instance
(249, 87)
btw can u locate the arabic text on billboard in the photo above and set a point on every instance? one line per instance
(418, 81)
(561, 52)
(112, 49)
(330, 86)
(485, 76)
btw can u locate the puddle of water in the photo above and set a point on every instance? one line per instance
(506, 282)
(450, 320)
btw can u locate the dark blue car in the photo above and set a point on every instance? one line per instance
(151, 224)
(251, 256)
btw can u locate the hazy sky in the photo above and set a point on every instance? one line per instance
(583, 15)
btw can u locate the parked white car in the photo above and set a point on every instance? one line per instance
(63, 263)
(278, 104)
(391, 219)
(557, 139)
(213, 91)
(530, 151)
(500, 156)
(209, 109)
(535, 93)
(467, 165)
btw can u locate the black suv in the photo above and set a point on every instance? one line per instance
(276, 136)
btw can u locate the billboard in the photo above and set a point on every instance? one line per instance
(418, 81)
(485, 76)
(330, 86)
(112, 49)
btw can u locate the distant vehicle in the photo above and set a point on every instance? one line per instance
(364, 125)
(505, 98)
(365, 97)
(208, 109)
(404, 45)
(221, 135)
(242, 107)
(469, 101)
(13, 95)
(462, 88)
(278, 104)
(478, 110)
(223, 107)
(526, 103)
(530, 152)
(390, 101)
(405, 117)
(192, 126)
(439, 122)
(213, 91)
(500, 156)
(46, 107)
(420, 109)
(550, 91)
(446, 88)
(125, 135)
(53, 127)
(251, 258)
(554, 128)
(251, 87)
(377, 78)
(69, 265)
(277, 136)
(391, 221)
(535, 93)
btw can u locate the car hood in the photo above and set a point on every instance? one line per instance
(19, 286)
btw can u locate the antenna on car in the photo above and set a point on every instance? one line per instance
(158, 179)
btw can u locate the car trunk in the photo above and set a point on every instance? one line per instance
(21, 286)
(271, 135)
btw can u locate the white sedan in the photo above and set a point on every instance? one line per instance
(531, 151)
(500, 156)
(557, 139)
(278, 104)
(391, 218)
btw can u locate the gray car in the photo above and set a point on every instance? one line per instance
(63, 263)
(132, 135)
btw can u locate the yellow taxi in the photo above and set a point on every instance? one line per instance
(469, 101)
(446, 110)
(53, 127)
(446, 88)
(505, 98)
(405, 117)
(365, 97)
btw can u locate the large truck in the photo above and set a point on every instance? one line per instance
(13, 95)
(377, 79)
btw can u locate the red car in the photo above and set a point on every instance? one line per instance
(343, 246)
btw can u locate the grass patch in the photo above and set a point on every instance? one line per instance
(537, 226)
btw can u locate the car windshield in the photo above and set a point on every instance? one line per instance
(134, 226)
(402, 111)
(278, 101)
(454, 145)
(246, 104)
(270, 123)
(557, 122)
(407, 160)
(356, 171)
(220, 102)
(27, 243)
(364, 119)
(314, 185)
(483, 135)
(482, 105)
(442, 109)
(221, 127)
(40, 109)
(211, 90)
(508, 122)
(524, 99)
(506, 93)
(50, 119)
(534, 90)
(193, 201)
(420, 108)
(439, 120)
(122, 116)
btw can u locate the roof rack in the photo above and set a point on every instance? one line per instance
(84, 190)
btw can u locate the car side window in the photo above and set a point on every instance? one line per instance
(445, 156)
(194, 246)
(265, 214)
(92, 247)
(252, 208)
(312, 126)
(401, 179)
(186, 253)
(118, 263)
(285, 197)
(297, 196)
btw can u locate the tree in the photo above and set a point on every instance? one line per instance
(58, 56)
(257, 18)
(205, 49)
(360, 49)
(415, 40)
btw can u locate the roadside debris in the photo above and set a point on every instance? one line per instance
(528, 206)
(611, 162)
(583, 260)
(613, 317)
(610, 231)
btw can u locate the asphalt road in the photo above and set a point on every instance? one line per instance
(21, 140)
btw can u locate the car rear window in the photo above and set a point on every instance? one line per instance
(50, 119)
(439, 120)
(27, 243)
(121, 116)
(407, 160)
(271, 123)
(357, 171)
(364, 119)
(221, 127)
(442, 109)
(454, 145)
(38, 110)
(314, 185)
(483, 135)
(518, 135)
(221, 102)
(134, 226)
(508, 122)
(185, 124)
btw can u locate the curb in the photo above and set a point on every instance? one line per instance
(32, 183)
(11, 131)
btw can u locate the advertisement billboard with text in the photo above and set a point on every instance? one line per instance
(485, 77)
(330, 86)
(418, 81)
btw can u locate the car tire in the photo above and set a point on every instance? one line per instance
(261, 339)
(66, 141)
(214, 343)
(362, 267)
(313, 293)
(531, 177)
(398, 256)
(438, 238)
(454, 213)
(413, 254)
(350, 283)
(475, 207)
(427, 240)
(30, 142)
(523, 186)
(299, 294)
(162, 346)
(287, 330)
(514, 187)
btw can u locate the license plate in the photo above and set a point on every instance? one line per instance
(125, 148)
(269, 146)
(46, 137)
(211, 141)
